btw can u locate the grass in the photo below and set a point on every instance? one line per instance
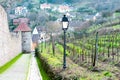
(9, 64)
(43, 73)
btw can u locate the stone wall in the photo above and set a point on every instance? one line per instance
(10, 43)
(26, 41)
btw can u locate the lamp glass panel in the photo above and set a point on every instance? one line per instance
(65, 25)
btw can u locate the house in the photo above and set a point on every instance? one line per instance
(38, 35)
(21, 10)
(26, 36)
(64, 8)
(35, 38)
(45, 6)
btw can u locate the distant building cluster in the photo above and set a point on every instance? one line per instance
(64, 8)
(60, 8)
(21, 11)
(45, 6)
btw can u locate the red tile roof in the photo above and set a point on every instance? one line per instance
(23, 27)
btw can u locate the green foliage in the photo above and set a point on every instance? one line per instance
(100, 49)
(108, 74)
(41, 69)
(68, 1)
(52, 18)
(42, 1)
(37, 52)
(82, 78)
(60, 47)
(106, 14)
(116, 26)
(30, 6)
(52, 60)
(86, 9)
(49, 1)
(47, 54)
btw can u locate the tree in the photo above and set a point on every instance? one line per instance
(52, 18)
(42, 18)
(53, 26)
(32, 16)
(68, 1)
(49, 1)
(42, 1)
(30, 6)
(106, 14)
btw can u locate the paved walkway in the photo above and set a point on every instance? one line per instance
(34, 73)
(25, 68)
(19, 70)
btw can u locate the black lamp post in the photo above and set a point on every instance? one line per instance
(65, 23)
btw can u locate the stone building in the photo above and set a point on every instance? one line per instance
(26, 36)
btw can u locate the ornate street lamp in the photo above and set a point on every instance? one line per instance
(65, 24)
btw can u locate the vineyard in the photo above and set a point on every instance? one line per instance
(104, 48)
(93, 56)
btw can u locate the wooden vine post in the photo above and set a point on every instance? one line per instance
(96, 50)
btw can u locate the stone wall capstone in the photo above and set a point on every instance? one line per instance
(10, 43)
